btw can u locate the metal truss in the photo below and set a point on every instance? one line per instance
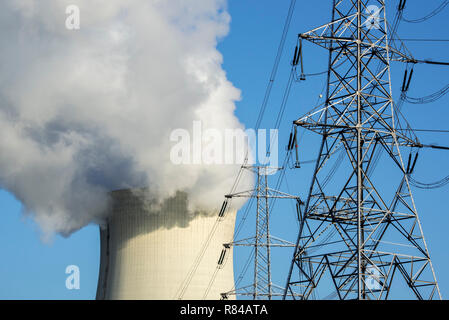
(360, 236)
(262, 286)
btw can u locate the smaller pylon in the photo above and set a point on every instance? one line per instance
(262, 286)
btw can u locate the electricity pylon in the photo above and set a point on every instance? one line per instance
(262, 286)
(359, 235)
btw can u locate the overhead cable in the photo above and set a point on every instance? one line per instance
(428, 16)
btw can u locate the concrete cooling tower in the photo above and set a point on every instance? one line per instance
(148, 250)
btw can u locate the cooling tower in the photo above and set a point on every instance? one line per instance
(147, 250)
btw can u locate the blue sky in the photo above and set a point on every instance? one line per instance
(32, 269)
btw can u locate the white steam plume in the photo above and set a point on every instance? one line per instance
(86, 111)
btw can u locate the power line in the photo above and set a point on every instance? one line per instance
(429, 98)
(276, 62)
(433, 185)
(430, 15)
(423, 40)
(428, 130)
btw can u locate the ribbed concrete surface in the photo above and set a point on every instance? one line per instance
(147, 252)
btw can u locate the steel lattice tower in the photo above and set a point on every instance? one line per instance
(262, 286)
(360, 236)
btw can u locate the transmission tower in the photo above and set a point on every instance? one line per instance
(359, 235)
(262, 286)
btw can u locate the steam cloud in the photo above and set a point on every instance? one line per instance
(89, 111)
